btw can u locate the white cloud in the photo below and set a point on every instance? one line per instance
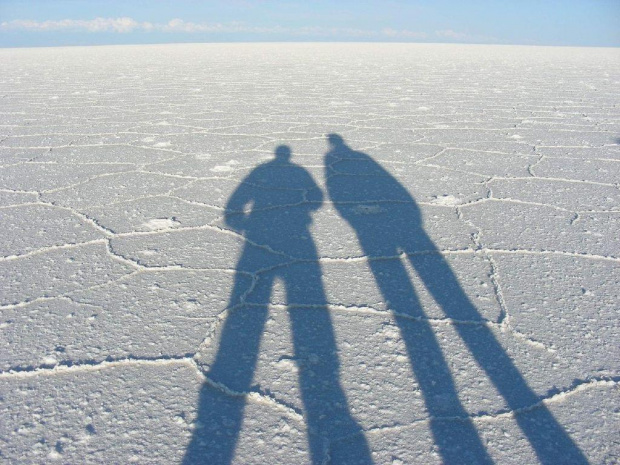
(464, 37)
(176, 25)
(389, 32)
(91, 25)
(450, 34)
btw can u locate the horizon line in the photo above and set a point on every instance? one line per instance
(257, 42)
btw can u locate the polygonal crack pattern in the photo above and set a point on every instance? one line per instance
(123, 253)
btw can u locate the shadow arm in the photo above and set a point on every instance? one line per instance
(235, 214)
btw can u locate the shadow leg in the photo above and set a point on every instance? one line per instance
(220, 414)
(550, 441)
(325, 404)
(453, 431)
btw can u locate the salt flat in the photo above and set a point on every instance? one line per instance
(310, 253)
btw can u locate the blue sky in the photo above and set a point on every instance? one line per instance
(94, 22)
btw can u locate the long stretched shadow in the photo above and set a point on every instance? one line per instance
(388, 223)
(272, 207)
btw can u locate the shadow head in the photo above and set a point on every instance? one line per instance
(283, 153)
(335, 140)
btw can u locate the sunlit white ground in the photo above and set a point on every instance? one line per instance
(116, 166)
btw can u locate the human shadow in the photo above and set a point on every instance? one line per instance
(272, 207)
(389, 227)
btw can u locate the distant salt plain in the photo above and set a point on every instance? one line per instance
(118, 258)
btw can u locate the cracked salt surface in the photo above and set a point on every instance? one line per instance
(435, 283)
